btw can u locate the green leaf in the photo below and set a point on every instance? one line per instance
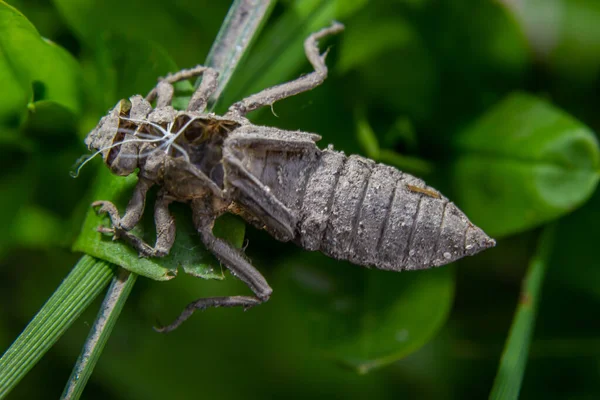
(366, 318)
(187, 252)
(507, 384)
(33, 69)
(522, 164)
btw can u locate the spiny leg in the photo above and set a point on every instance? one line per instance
(235, 261)
(302, 84)
(165, 227)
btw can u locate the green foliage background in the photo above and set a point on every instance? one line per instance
(493, 102)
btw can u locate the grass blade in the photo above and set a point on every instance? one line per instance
(107, 318)
(242, 23)
(87, 279)
(516, 351)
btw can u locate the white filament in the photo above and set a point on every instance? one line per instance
(168, 140)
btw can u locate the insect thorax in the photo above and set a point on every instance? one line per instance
(202, 139)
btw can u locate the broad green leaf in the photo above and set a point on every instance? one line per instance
(366, 318)
(187, 253)
(522, 164)
(33, 69)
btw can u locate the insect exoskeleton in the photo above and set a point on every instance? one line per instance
(348, 207)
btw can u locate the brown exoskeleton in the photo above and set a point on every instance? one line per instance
(348, 207)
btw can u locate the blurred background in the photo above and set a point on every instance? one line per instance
(493, 102)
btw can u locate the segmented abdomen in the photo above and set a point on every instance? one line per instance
(373, 214)
(351, 208)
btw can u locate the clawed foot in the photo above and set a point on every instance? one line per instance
(106, 207)
(119, 232)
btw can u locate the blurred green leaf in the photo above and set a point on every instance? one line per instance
(392, 64)
(565, 34)
(480, 53)
(577, 51)
(33, 69)
(522, 164)
(370, 146)
(366, 318)
(364, 41)
(183, 27)
(575, 261)
(188, 253)
(35, 227)
(17, 184)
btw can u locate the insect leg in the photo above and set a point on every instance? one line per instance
(165, 227)
(302, 84)
(205, 90)
(163, 92)
(239, 266)
(133, 212)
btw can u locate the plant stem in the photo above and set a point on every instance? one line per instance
(85, 282)
(240, 27)
(105, 321)
(516, 351)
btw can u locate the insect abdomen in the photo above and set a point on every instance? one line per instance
(373, 214)
(351, 208)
